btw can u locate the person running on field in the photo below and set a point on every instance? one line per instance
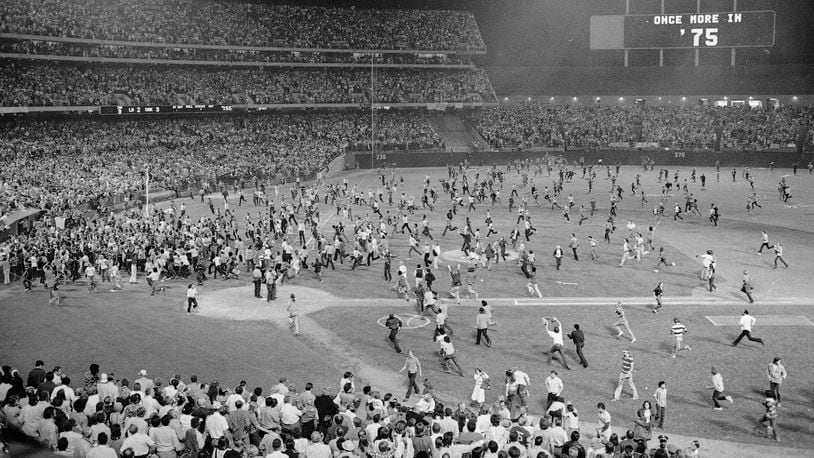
(658, 292)
(746, 322)
(621, 321)
(678, 330)
(717, 388)
(449, 358)
(746, 286)
(764, 242)
(778, 255)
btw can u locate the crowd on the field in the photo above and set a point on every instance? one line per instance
(49, 84)
(56, 48)
(98, 414)
(244, 24)
(540, 124)
(63, 165)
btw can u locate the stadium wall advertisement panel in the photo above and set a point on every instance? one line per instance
(781, 159)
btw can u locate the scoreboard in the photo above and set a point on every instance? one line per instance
(736, 29)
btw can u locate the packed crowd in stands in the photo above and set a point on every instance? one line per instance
(100, 415)
(61, 165)
(538, 124)
(246, 24)
(56, 48)
(64, 84)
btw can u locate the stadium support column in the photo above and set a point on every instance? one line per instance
(697, 51)
(627, 11)
(732, 50)
(661, 50)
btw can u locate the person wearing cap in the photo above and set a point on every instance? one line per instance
(746, 286)
(662, 451)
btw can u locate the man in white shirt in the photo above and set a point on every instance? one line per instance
(149, 402)
(448, 352)
(107, 389)
(448, 424)
(556, 336)
(747, 321)
(289, 416)
(523, 383)
(216, 424)
(234, 397)
(69, 394)
(554, 386)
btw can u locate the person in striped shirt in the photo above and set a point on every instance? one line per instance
(626, 375)
(678, 330)
(769, 418)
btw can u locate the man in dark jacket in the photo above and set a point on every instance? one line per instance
(579, 341)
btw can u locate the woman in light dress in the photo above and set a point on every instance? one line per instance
(481, 384)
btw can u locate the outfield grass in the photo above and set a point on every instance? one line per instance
(520, 340)
(127, 331)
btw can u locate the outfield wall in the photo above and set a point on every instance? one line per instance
(784, 159)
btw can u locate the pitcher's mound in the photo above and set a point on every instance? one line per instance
(241, 305)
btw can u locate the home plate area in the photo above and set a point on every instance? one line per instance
(763, 320)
